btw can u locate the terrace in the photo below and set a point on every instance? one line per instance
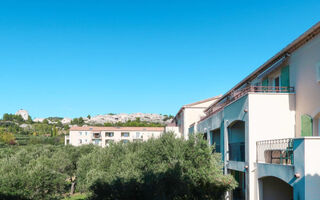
(279, 151)
(218, 106)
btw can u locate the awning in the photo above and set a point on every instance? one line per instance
(272, 67)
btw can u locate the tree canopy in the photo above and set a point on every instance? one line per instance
(164, 168)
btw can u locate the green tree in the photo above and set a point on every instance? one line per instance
(149, 170)
(29, 120)
(7, 138)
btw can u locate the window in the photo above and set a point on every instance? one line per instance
(86, 133)
(80, 141)
(96, 142)
(80, 133)
(109, 134)
(138, 135)
(191, 130)
(276, 82)
(124, 141)
(125, 134)
(96, 135)
(85, 141)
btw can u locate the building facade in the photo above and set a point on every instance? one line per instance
(267, 127)
(103, 136)
(189, 114)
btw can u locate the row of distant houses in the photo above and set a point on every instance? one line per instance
(266, 127)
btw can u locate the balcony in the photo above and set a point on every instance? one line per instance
(278, 151)
(96, 135)
(244, 91)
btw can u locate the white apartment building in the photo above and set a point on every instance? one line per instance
(189, 114)
(102, 136)
(267, 127)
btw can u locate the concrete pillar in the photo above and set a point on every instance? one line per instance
(306, 164)
(208, 137)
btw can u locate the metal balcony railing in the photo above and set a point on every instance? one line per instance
(250, 89)
(278, 151)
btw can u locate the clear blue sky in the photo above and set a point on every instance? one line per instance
(73, 58)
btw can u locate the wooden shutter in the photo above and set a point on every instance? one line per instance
(306, 125)
(285, 77)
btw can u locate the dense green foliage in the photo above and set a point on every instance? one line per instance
(14, 127)
(164, 168)
(134, 123)
(78, 121)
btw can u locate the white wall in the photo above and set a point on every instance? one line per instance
(173, 129)
(191, 115)
(303, 64)
(312, 169)
(271, 116)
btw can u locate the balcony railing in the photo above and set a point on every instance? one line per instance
(96, 135)
(278, 151)
(252, 89)
(237, 151)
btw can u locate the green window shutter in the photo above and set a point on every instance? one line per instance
(265, 82)
(306, 125)
(285, 76)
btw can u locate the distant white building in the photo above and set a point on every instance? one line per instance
(23, 113)
(102, 136)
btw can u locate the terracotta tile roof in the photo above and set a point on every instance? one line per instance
(96, 128)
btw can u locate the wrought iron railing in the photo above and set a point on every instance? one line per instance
(278, 151)
(237, 151)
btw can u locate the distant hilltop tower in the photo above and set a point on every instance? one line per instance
(23, 113)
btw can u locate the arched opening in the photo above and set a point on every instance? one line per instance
(236, 141)
(316, 125)
(215, 139)
(272, 188)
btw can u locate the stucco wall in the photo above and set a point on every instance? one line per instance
(312, 169)
(88, 138)
(191, 115)
(303, 64)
